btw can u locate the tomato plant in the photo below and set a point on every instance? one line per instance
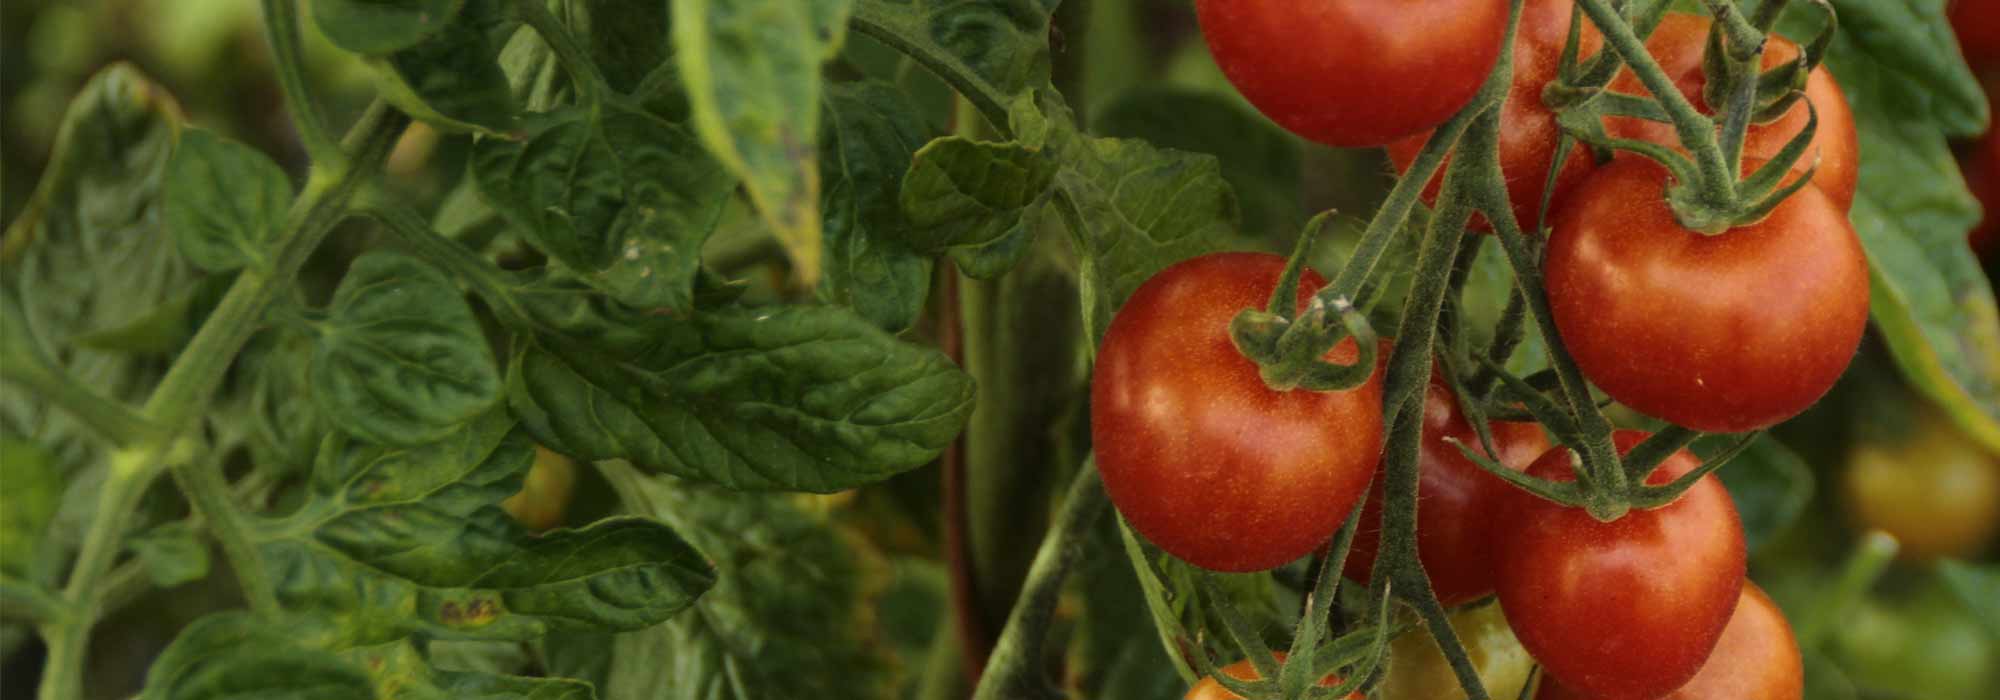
(1724, 333)
(1197, 452)
(1355, 73)
(1628, 608)
(1458, 500)
(935, 349)
(1977, 24)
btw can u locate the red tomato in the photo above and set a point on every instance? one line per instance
(1528, 131)
(1198, 453)
(1757, 658)
(1977, 23)
(1209, 689)
(1722, 333)
(1456, 497)
(1677, 46)
(1355, 72)
(1625, 609)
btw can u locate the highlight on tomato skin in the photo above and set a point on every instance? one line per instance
(1200, 455)
(1758, 658)
(1721, 333)
(1355, 73)
(1210, 689)
(1627, 608)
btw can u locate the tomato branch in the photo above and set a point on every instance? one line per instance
(1014, 670)
(281, 29)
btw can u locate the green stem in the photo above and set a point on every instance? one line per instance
(1014, 671)
(114, 421)
(1697, 132)
(281, 28)
(581, 69)
(483, 277)
(209, 494)
(21, 601)
(183, 394)
(886, 24)
(1864, 566)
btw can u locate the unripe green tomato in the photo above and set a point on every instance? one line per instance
(545, 493)
(1936, 491)
(1419, 671)
(1930, 648)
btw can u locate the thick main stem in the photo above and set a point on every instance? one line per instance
(183, 395)
(1014, 669)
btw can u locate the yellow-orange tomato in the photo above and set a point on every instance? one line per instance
(545, 493)
(1936, 491)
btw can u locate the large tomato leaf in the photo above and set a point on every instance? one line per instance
(399, 542)
(400, 359)
(623, 198)
(1262, 162)
(991, 52)
(788, 397)
(1978, 587)
(870, 135)
(789, 616)
(980, 201)
(1928, 297)
(751, 69)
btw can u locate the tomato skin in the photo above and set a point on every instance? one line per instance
(1677, 46)
(1355, 73)
(1200, 455)
(1722, 333)
(1629, 608)
(1209, 689)
(1977, 24)
(1528, 131)
(1938, 493)
(1457, 498)
(1757, 658)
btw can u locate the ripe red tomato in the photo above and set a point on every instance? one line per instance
(1677, 45)
(1722, 333)
(1528, 131)
(1209, 689)
(1456, 497)
(1198, 453)
(1982, 174)
(1625, 609)
(1977, 24)
(1757, 658)
(1355, 73)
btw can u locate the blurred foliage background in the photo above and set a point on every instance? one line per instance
(1874, 454)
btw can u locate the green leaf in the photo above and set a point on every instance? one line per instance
(172, 554)
(1928, 297)
(621, 197)
(1005, 45)
(790, 397)
(1769, 483)
(1978, 587)
(789, 617)
(89, 252)
(225, 202)
(627, 40)
(400, 359)
(166, 328)
(751, 71)
(1262, 163)
(452, 79)
(238, 655)
(396, 542)
(34, 487)
(980, 201)
(870, 134)
(373, 27)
